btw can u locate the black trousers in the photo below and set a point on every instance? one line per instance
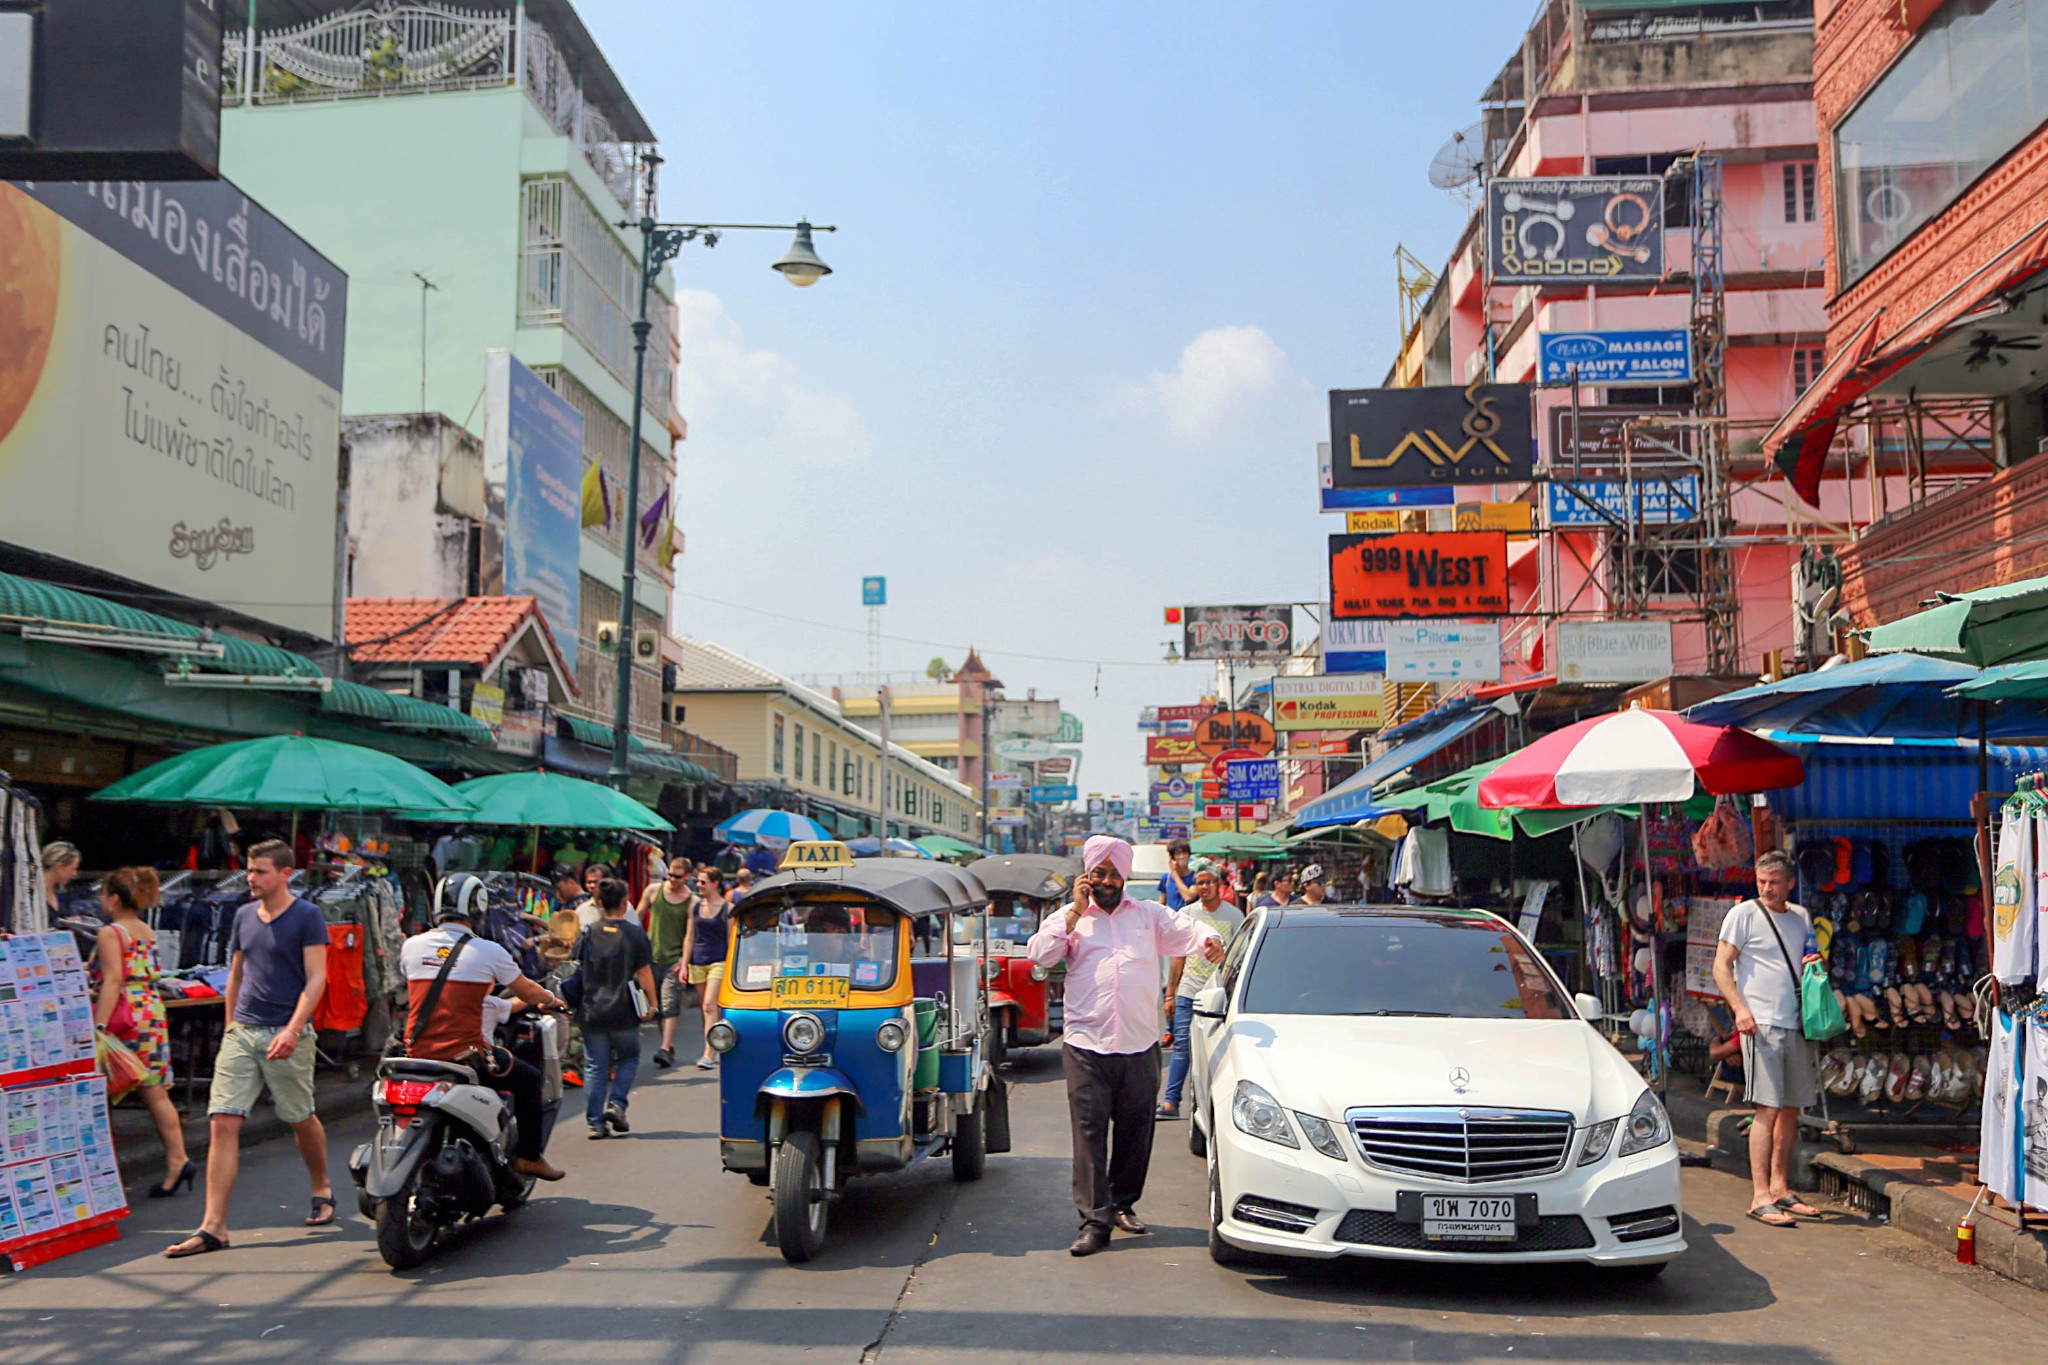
(1110, 1099)
(525, 1085)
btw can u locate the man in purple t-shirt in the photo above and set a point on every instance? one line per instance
(277, 972)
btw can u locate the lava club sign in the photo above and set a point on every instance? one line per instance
(1436, 573)
(1246, 731)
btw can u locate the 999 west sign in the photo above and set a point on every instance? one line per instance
(1434, 573)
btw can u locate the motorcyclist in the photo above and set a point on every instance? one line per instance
(455, 1033)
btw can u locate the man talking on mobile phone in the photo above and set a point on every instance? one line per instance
(1111, 945)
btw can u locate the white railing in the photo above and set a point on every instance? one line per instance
(410, 47)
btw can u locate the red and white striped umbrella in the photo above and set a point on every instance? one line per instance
(1636, 756)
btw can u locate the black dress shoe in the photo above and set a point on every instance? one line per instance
(1126, 1221)
(1090, 1241)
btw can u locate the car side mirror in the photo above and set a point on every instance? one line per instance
(1210, 1002)
(1590, 1009)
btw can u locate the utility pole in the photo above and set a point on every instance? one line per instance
(425, 285)
(882, 787)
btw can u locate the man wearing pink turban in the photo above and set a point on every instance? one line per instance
(1111, 944)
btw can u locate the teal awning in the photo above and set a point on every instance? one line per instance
(640, 757)
(401, 712)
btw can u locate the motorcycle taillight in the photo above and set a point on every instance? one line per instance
(405, 1095)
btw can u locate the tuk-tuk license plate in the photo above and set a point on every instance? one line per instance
(812, 992)
(1468, 1218)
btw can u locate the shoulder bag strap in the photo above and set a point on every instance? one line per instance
(426, 1012)
(1790, 966)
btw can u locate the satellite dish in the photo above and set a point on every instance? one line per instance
(1460, 161)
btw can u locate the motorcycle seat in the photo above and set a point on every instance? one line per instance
(426, 1069)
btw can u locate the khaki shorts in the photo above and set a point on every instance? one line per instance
(668, 990)
(700, 973)
(1777, 1068)
(243, 1071)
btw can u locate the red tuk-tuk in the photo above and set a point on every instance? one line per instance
(1024, 999)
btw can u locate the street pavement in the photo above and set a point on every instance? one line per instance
(648, 1252)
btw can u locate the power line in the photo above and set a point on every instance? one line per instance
(933, 644)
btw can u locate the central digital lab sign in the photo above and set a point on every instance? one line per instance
(1434, 573)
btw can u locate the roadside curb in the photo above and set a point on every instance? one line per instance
(1925, 1212)
(334, 1102)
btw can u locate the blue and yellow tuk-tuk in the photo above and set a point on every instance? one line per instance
(842, 1052)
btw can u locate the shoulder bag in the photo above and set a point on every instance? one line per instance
(1820, 1014)
(402, 1039)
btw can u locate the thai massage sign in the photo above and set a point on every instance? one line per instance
(170, 408)
(1437, 573)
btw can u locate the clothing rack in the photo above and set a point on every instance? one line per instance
(21, 876)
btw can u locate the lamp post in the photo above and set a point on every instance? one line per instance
(659, 244)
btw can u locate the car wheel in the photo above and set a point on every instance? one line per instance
(1220, 1251)
(1198, 1141)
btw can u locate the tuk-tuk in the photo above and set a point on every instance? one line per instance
(1024, 999)
(841, 1052)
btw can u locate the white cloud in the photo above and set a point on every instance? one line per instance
(745, 403)
(1222, 374)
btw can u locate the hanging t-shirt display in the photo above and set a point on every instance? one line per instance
(2040, 899)
(2033, 1092)
(1998, 1136)
(2012, 900)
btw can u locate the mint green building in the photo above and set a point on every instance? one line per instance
(468, 167)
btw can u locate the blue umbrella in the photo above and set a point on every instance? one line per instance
(1886, 696)
(778, 827)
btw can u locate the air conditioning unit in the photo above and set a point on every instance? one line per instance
(608, 637)
(647, 647)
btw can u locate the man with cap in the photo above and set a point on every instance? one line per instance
(1111, 945)
(1315, 885)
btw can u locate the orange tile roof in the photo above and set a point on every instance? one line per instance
(436, 630)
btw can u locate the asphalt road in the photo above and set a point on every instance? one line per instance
(648, 1252)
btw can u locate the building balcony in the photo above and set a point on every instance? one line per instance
(1975, 535)
(377, 49)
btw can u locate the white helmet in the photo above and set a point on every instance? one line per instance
(458, 896)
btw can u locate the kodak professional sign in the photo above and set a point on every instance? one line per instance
(1350, 701)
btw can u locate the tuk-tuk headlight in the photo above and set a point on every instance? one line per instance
(804, 1033)
(890, 1035)
(722, 1037)
(1039, 973)
(994, 969)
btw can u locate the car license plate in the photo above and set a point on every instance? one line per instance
(811, 992)
(1468, 1218)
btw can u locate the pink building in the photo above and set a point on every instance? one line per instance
(1601, 87)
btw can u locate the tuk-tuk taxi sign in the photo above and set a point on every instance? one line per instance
(816, 854)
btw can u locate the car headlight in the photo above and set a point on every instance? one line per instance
(1257, 1113)
(890, 1035)
(1647, 1126)
(1321, 1135)
(804, 1033)
(721, 1037)
(1598, 1139)
(1039, 973)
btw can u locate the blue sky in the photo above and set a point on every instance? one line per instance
(1097, 267)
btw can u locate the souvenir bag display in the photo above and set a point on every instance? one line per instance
(1722, 841)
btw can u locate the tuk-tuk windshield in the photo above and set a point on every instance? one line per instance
(1011, 919)
(816, 939)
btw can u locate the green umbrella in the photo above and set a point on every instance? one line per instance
(1225, 844)
(556, 801)
(946, 846)
(294, 773)
(1987, 627)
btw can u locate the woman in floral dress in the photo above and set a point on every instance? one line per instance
(128, 970)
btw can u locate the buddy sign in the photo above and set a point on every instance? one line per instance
(1226, 731)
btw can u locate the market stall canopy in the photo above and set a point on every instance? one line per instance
(2007, 683)
(292, 772)
(1987, 627)
(556, 801)
(1635, 756)
(1874, 780)
(1884, 696)
(1224, 844)
(769, 829)
(1352, 800)
(946, 846)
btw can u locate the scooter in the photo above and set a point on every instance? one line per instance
(445, 1142)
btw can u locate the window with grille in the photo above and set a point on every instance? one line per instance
(778, 746)
(799, 772)
(1802, 202)
(1807, 362)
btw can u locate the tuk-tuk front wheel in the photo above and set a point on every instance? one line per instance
(970, 1143)
(799, 1195)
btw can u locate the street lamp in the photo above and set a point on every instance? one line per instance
(659, 244)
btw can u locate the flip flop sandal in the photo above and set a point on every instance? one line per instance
(322, 1212)
(1771, 1216)
(1798, 1207)
(207, 1242)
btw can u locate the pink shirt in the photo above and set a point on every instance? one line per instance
(1113, 985)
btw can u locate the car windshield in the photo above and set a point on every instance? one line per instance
(816, 938)
(1439, 968)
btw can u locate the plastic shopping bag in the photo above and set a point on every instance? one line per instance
(118, 1062)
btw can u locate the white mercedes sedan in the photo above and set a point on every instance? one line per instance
(1415, 1083)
